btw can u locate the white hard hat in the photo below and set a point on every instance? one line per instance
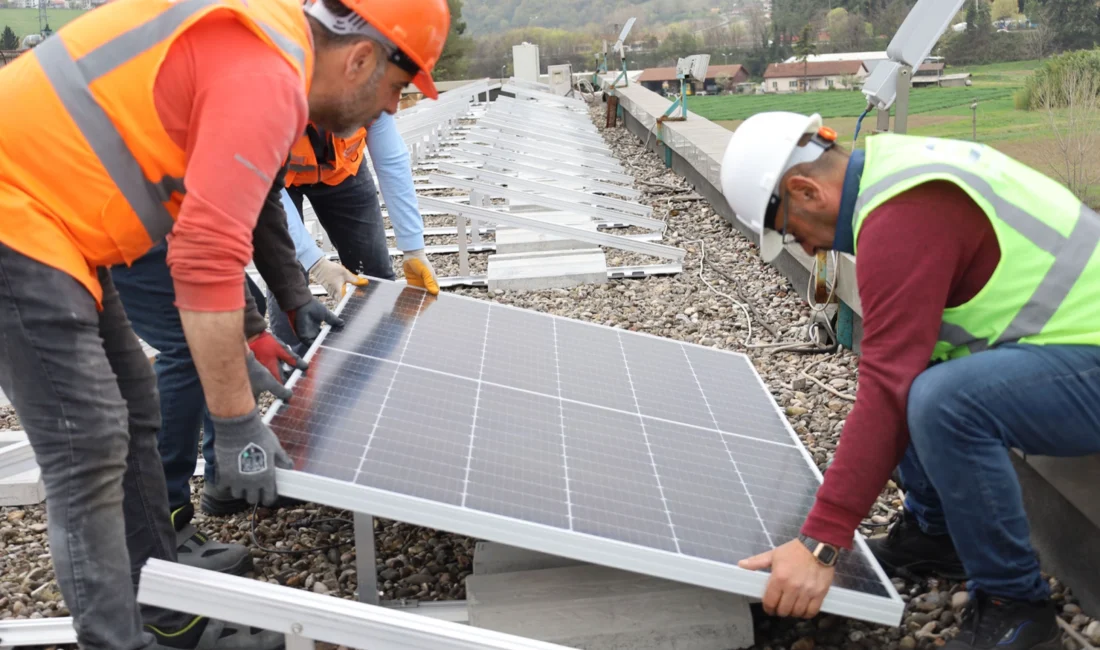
(762, 149)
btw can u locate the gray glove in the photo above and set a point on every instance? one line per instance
(262, 379)
(306, 320)
(247, 453)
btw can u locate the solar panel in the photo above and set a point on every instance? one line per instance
(570, 438)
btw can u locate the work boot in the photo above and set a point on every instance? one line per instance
(219, 502)
(204, 633)
(989, 622)
(197, 550)
(907, 551)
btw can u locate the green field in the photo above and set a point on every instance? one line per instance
(25, 21)
(937, 112)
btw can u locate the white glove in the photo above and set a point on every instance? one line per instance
(334, 277)
(419, 271)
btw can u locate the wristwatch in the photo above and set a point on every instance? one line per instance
(826, 554)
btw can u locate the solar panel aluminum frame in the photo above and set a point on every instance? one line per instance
(546, 200)
(577, 196)
(579, 546)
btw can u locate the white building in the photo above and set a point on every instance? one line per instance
(813, 75)
(870, 59)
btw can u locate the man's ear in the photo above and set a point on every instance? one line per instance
(806, 189)
(360, 61)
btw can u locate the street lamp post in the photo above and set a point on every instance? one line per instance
(974, 122)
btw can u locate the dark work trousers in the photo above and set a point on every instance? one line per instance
(352, 216)
(87, 397)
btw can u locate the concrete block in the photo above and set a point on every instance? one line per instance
(599, 608)
(491, 558)
(23, 489)
(546, 270)
(517, 240)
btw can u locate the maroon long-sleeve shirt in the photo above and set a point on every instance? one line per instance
(926, 249)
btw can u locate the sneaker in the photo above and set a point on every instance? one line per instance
(210, 634)
(219, 502)
(989, 622)
(908, 551)
(197, 550)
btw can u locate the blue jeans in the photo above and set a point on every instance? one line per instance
(87, 399)
(352, 217)
(148, 296)
(964, 416)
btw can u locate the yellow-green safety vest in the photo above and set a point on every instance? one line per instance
(1046, 287)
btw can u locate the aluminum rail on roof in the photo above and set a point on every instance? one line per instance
(533, 160)
(538, 120)
(306, 616)
(522, 126)
(36, 632)
(557, 111)
(577, 196)
(528, 146)
(586, 145)
(603, 214)
(511, 219)
(541, 96)
(493, 163)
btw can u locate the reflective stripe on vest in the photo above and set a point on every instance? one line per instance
(70, 80)
(1071, 253)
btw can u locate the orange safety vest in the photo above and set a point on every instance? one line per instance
(343, 159)
(88, 175)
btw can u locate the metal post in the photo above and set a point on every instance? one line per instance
(974, 123)
(883, 124)
(364, 560)
(901, 104)
(463, 253)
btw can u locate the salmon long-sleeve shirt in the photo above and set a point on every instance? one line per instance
(926, 249)
(235, 106)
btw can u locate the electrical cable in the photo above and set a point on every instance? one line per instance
(859, 121)
(702, 261)
(300, 523)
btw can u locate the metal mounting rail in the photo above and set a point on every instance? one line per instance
(492, 163)
(587, 145)
(576, 196)
(523, 125)
(575, 129)
(485, 215)
(16, 633)
(538, 118)
(556, 114)
(519, 145)
(305, 617)
(541, 96)
(549, 201)
(535, 161)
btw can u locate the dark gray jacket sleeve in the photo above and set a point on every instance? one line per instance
(273, 252)
(254, 321)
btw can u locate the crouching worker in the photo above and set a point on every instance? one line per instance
(980, 285)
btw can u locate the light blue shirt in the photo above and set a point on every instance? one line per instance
(390, 158)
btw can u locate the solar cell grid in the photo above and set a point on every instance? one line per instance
(549, 422)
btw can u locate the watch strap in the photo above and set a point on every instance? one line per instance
(826, 554)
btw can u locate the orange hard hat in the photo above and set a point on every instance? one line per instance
(417, 28)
